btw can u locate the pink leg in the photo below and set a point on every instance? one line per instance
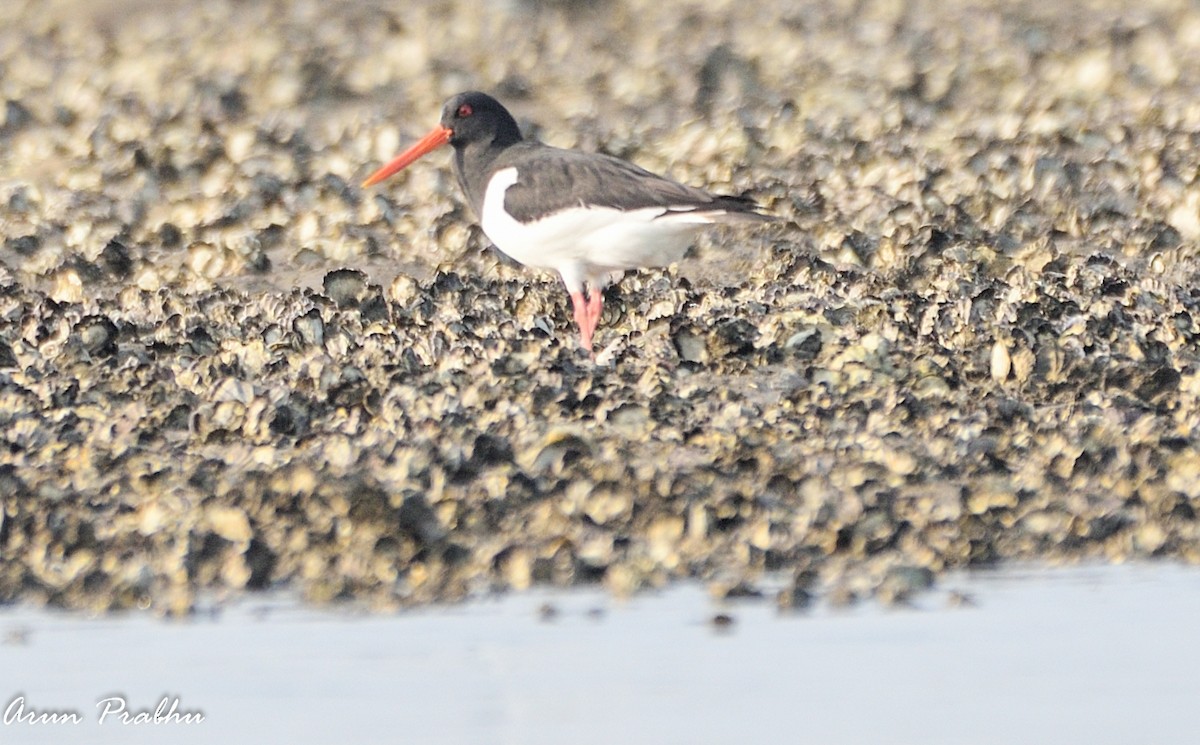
(582, 314)
(594, 308)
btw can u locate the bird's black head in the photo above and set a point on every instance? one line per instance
(476, 125)
(475, 117)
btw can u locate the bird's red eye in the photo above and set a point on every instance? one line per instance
(465, 110)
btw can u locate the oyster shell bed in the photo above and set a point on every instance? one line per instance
(225, 367)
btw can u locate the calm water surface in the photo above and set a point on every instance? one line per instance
(1082, 655)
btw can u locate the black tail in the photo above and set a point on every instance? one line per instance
(743, 208)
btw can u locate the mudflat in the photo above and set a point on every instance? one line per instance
(972, 336)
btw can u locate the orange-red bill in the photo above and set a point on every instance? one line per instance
(435, 139)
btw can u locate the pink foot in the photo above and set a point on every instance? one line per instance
(595, 307)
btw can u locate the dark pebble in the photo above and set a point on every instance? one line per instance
(25, 245)
(170, 235)
(16, 117)
(115, 257)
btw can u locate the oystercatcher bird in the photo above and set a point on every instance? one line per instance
(588, 216)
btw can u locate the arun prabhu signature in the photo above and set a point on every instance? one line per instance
(109, 710)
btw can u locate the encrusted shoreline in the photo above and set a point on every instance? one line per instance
(224, 367)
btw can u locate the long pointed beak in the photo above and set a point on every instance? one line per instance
(435, 139)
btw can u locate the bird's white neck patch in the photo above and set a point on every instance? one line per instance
(493, 198)
(500, 227)
(501, 180)
(494, 219)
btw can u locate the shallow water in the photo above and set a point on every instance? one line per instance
(1079, 655)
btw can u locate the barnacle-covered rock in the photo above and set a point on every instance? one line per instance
(971, 337)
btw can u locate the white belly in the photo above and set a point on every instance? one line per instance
(586, 243)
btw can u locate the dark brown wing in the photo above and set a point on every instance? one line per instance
(550, 180)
